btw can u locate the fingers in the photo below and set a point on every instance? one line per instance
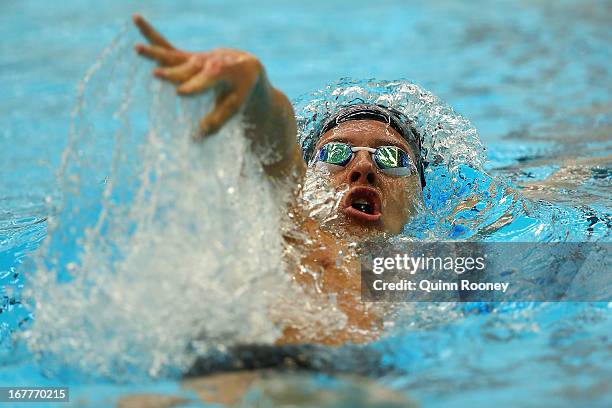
(150, 33)
(162, 55)
(200, 82)
(179, 73)
(227, 106)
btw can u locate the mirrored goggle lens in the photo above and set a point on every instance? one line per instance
(335, 153)
(392, 160)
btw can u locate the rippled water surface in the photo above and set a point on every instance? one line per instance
(532, 78)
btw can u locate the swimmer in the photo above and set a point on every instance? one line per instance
(371, 152)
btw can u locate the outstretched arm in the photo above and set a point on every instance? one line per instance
(240, 84)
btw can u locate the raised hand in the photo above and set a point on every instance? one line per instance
(232, 73)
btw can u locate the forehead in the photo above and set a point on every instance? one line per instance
(367, 133)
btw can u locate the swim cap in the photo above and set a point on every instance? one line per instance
(397, 120)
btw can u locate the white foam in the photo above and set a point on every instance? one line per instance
(159, 240)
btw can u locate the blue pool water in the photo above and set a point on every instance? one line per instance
(532, 77)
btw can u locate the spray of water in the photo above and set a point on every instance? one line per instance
(164, 249)
(161, 248)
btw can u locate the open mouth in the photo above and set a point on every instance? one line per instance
(363, 203)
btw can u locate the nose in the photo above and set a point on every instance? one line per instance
(362, 169)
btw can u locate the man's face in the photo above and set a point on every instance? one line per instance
(375, 201)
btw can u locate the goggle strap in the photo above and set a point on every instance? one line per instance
(366, 149)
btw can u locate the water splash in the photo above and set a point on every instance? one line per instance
(162, 247)
(163, 250)
(461, 199)
(447, 136)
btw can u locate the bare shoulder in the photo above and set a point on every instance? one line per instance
(328, 269)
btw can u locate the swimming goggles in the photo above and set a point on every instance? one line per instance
(390, 160)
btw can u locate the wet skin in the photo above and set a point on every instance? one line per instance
(241, 85)
(392, 198)
(326, 247)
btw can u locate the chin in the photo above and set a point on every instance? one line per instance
(347, 227)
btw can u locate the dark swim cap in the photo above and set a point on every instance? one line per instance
(397, 120)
